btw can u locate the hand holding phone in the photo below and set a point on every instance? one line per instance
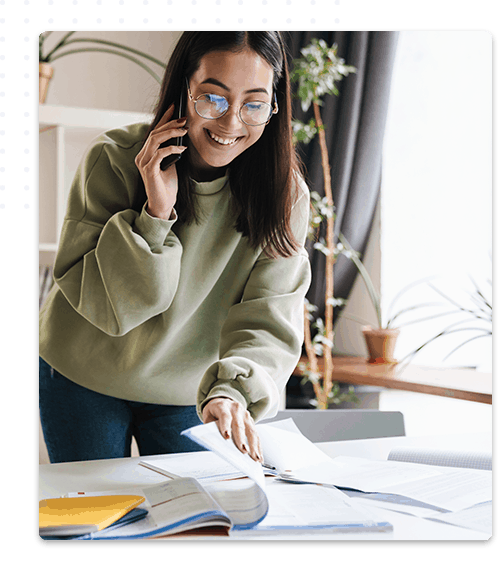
(161, 186)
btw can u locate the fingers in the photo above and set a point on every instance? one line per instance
(234, 421)
(167, 115)
(151, 153)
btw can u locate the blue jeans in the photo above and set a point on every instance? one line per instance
(80, 424)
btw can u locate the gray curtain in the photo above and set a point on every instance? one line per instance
(354, 126)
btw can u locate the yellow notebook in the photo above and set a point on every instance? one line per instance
(82, 515)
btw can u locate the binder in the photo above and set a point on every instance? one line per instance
(73, 516)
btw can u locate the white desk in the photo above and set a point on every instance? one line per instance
(101, 475)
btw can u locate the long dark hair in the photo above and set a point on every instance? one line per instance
(263, 179)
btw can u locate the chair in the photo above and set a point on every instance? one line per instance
(344, 424)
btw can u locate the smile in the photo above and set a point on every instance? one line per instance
(222, 141)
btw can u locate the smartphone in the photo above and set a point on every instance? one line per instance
(170, 160)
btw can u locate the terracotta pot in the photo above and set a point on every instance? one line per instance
(380, 344)
(45, 72)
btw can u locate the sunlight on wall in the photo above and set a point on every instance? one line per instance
(436, 191)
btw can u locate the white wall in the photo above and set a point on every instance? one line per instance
(94, 80)
(437, 184)
(107, 81)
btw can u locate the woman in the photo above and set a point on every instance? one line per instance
(178, 292)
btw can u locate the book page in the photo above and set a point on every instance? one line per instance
(172, 507)
(204, 466)
(447, 488)
(285, 448)
(478, 517)
(297, 506)
(209, 436)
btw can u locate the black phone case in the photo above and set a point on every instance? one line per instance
(173, 158)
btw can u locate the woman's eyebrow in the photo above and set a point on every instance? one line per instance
(218, 83)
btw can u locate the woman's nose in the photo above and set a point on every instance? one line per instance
(231, 120)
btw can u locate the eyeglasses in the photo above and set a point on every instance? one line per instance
(252, 113)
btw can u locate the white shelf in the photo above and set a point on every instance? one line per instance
(64, 119)
(80, 117)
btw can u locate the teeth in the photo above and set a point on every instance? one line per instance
(224, 141)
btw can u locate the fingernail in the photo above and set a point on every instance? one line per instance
(181, 120)
(244, 447)
(227, 434)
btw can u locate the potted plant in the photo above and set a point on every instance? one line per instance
(317, 72)
(381, 337)
(47, 56)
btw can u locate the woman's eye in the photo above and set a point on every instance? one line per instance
(254, 106)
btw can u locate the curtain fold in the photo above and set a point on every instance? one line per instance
(354, 126)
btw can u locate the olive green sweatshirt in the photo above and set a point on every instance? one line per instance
(159, 311)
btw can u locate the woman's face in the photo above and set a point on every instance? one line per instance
(240, 77)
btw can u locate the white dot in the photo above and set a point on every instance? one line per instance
(288, 20)
(336, 20)
(26, 151)
(26, 57)
(2, 169)
(26, 20)
(145, 2)
(2, 187)
(26, 114)
(98, 20)
(169, 20)
(264, 1)
(217, 20)
(26, 76)
(26, 206)
(121, 20)
(27, 169)
(194, 2)
(26, 187)
(50, 20)
(313, 20)
(74, 20)
(240, 2)
(194, 20)
(264, 21)
(75, 1)
(145, 20)
(121, 2)
(240, 20)
(2, 206)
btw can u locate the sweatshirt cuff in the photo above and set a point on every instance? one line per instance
(223, 389)
(154, 230)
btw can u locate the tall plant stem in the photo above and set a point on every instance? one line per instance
(311, 355)
(329, 262)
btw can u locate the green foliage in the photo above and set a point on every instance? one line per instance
(317, 72)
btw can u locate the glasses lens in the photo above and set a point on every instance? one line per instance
(211, 106)
(256, 113)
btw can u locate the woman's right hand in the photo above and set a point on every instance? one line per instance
(161, 186)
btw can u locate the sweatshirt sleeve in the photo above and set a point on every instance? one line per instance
(117, 267)
(261, 339)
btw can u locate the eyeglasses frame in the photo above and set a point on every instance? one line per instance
(274, 108)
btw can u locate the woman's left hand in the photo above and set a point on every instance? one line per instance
(233, 420)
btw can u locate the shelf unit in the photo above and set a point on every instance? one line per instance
(65, 122)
